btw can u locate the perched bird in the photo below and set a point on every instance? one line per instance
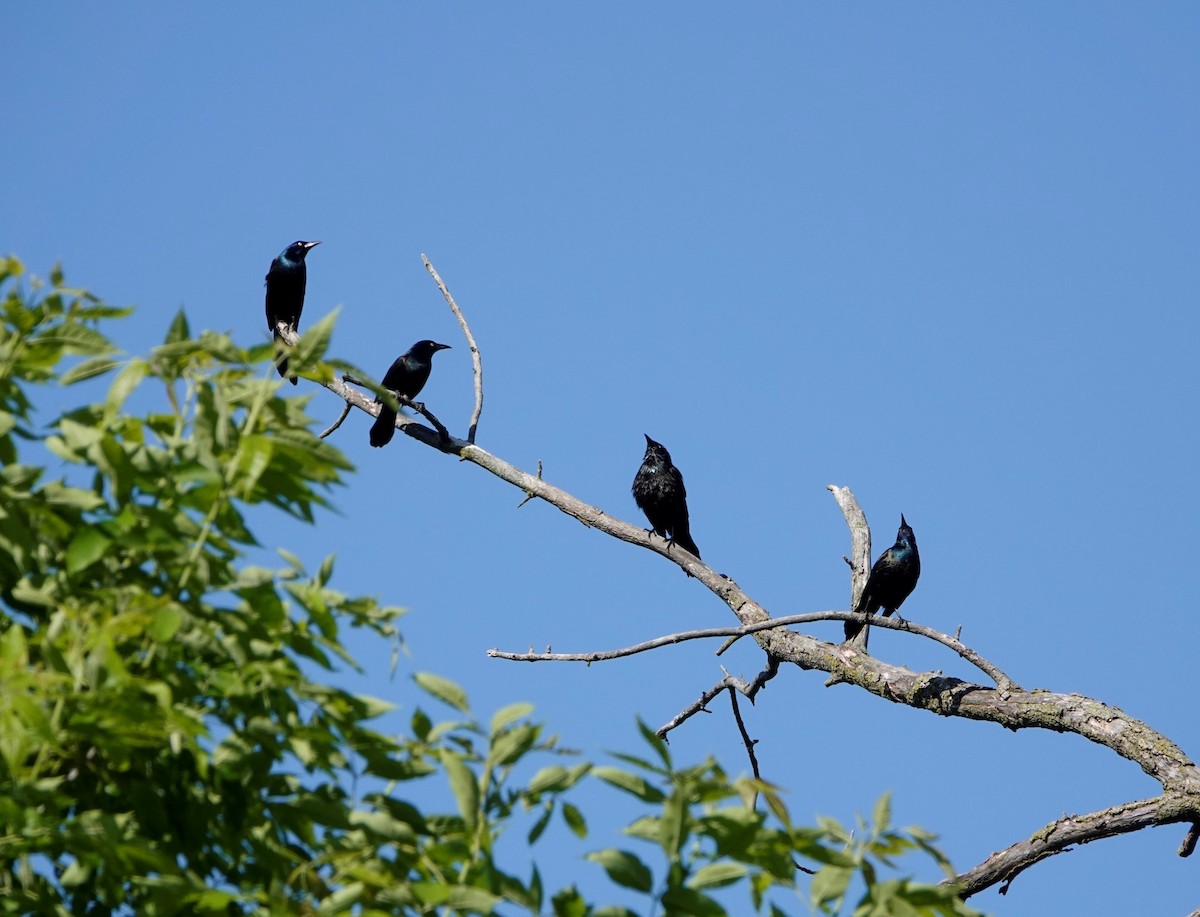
(406, 377)
(892, 579)
(659, 492)
(285, 292)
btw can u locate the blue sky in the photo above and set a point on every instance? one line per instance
(943, 254)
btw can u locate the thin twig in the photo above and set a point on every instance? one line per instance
(476, 357)
(667, 640)
(905, 625)
(1188, 847)
(419, 407)
(695, 707)
(337, 423)
(750, 689)
(746, 740)
(402, 401)
(529, 495)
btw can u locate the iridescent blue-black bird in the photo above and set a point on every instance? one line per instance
(659, 492)
(892, 579)
(406, 377)
(285, 292)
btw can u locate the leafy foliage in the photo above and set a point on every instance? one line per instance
(164, 748)
(711, 834)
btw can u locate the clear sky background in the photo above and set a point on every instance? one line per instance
(943, 254)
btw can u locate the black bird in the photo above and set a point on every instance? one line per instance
(892, 579)
(659, 492)
(285, 292)
(406, 377)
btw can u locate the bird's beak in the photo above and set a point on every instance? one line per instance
(442, 347)
(902, 522)
(308, 246)
(648, 439)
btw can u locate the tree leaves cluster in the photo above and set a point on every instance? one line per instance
(171, 737)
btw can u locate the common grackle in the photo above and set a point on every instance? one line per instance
(659, 492)
(406, 377)
(892, 579)
(285, 292)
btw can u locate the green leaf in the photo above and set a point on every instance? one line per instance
(464, 785)
(128, 379)
(59, 495)
(383, 826)
(630, 783)
(882, 816)
(548, 779)
(342, 899)
(569, 903)
(539, 826)
(14, 650)
(74, 339)
(88, 369)
(443, 689)
(688, 901)
(511, 746)
(167, 621)
(623, 868)
(674, 827)
(79, 436)
(715, 875)
(215, 902)
(510, 714)
(575, 820)
(657, 742)
(313, 344)
(647, 828)
(421, 724)
(471, 900)
(178, 330)
(830, 884)
(372, 707)
(87, 547)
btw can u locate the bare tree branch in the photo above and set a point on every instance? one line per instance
(860, 540)
(735, 633)
(746, 740)
(476, 357)
(1070, 830)
(732, 682)
(528, 495)
(419, 407)
(1006, 704)
(1188, 847)
(398, 401)
(859, 561)
(337, 423)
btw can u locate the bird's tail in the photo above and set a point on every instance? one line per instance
(684, 540)
(854, 628)
(281, 362)
(384, 426)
